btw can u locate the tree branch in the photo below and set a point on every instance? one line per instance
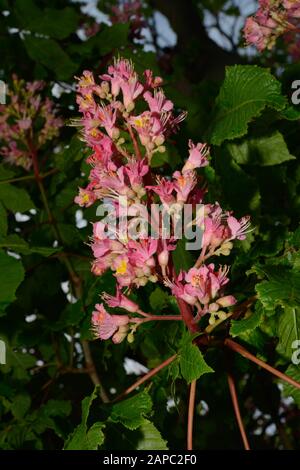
(91, 369)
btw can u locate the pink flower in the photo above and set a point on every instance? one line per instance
(135, 171)
(197, 156)
(205, 282)
(142, 251)
(184, 184)
(131, 89)
(158, 102)
(164, 189)
(255, 34)
(238, 228)
(150, 81)
(120, 300)
(107, 116)
(106, 326)
(180, 290)
(85, 198)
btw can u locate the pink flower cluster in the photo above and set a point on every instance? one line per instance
(26, 111)
(126, 121)
(274, 18)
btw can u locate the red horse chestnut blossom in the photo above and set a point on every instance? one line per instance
(27, 121)
(273, 19)
(126, 121)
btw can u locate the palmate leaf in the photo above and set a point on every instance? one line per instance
(246, 91)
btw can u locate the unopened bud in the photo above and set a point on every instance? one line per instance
(159, 140)
(163, 258)
(115, 134)
(222, 315)
(130, 107)
(226, 301)
(130, 338)
(120, 335)
(214, 307)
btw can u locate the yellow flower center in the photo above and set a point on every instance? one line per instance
(122, 268)
(86, 198)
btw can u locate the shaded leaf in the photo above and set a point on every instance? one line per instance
(246, 91)
(131, 412)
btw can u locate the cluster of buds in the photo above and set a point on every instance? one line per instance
(26, 121)
(273, 19)
(125, 121)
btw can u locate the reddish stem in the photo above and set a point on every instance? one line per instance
(236, 408)
(191, 415)
(243, 352)
(146, 377)
(187, 315)
(135, 144)
(162, 317)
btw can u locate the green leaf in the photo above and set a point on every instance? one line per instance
(3, 221)
(83, 438)
(20, 405)
(261, 151)
(95, 436)
(282, 288)
(192, 363)
(15, 199)
(15, 243)
(151, 439)
(6, 173)
(72, 153)
(158, 300)
(182, 258)
(288, 390)
(249, 323)
(240, 189)
(11, 275)
(49, 53)
(131, 412)
(246, 91)
(56, 23)
(105, 41)
(288, 331)
(71, 316)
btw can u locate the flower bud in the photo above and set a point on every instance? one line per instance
(163, 258)
(222, 315)
(226, 301)
(120, 335)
